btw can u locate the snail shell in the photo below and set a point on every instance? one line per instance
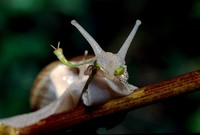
(52, 82)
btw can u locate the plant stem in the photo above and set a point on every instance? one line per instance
(140, 97)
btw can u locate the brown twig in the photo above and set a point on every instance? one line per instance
(143, 96)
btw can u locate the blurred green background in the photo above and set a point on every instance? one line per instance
(166, 45)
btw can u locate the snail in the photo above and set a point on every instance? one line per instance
(110, 81)
(63, 84)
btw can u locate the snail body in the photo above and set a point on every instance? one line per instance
(63, 84)
(57, 81)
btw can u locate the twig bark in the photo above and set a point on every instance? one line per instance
(141, 97)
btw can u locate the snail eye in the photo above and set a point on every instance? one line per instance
(119, 70)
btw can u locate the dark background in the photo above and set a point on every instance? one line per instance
(166, 45)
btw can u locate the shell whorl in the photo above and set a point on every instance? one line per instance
(43, 90)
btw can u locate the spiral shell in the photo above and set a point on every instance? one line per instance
(52, 81)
